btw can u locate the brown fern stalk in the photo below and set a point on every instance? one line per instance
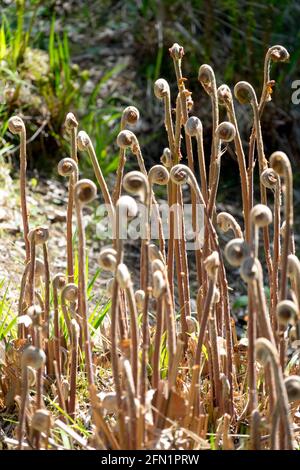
(17, 126)
(85, 191)
(71, 125)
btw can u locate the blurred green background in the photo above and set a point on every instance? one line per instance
(96, 57)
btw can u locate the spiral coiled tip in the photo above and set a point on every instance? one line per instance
(135, 183)
(279, 161)
(287, 312)
(206, 77)
(292, 385)
(278, 54)
(33, 357)
(176, 51)
(41, 420)
(244, 92)
(66, 167)
(83, 141)
(249, 269)
(179, 174)
(224, 95)
(123, 276)
(212, 263)
(70, 292)
(161, 88)
(193, 126)
(39, 235)
(166, 158)
(158, 284)
(108, 259)
(85, 191)
(225, 131)
(235, 251)
(71, 122)
(59, 281)
(261, 215)
(126, 139)
(131, 115)
(269, 178)
(158, 174)
(16, 125)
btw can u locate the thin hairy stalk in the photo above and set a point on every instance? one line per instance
(85, 191)
(186, 102)
(47, 293)
(157, 342)
(17, 126)
(181, 174)
(245, 93)
(271, 180)
(58, 283)
(207, 79)
(134, 334)
(281, 165)
(225, 97)
(277, 54)
(225, 132)
(71, 125)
